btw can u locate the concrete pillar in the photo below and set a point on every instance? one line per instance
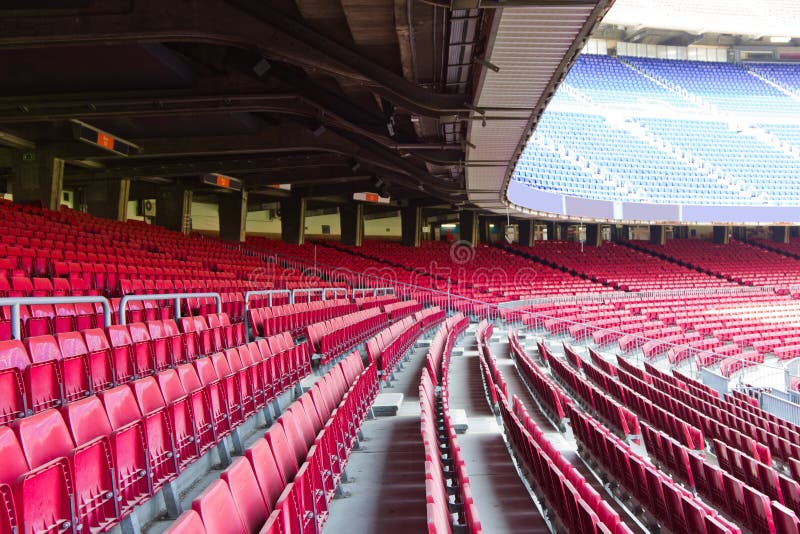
(436, 230)
(563, 231)
(593, 236)
(658, 234)
(720, 235)
(551, 230)
(293, 219)
(484, 236)
(174, 207)
(39, 180)
(411, 225)
(468, 226)
(351, 218)
(108, 198)
(779, 234)
(233, 216)
(526, 233)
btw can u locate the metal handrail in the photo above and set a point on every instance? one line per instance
(374, 290)
(334, 290)
(176, 297)
(268, 292)
(15, 302)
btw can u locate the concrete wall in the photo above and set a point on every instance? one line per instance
(205, 218)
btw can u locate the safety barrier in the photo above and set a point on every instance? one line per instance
(15, 303)
(176, 297)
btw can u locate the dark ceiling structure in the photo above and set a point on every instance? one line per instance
(330, 96)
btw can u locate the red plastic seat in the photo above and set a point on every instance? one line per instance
(169, 451)
(49, 379)
(101, 370)
(246, 494)
(14, 363)
(217, 396)
(232, 387)
(179, 409)
(125, 353)
(188, 522)
(158, 349)
(129, 444)
(205, 432)
(12, 467)
(60, 470)
(218, 511)
(285, 457)
(266, 472)
(87, 421)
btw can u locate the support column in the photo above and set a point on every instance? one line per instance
(40, 180)
(526, 233)
(411, 225)
(658, 234)
(551, 230)
(293, 220)
(563, 231)
(720, 235)
(108, 199)
(233, 216)
(484, 236)
(779, 234)
(436, 230)
(593, 236)
(468, 226)
(174, 208)
(351, 218)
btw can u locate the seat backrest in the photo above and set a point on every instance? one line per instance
(206, 370)
(156, 329)
(284, 454)
(139, 333)
(121, 406)
(266, 471)
(119, 336)
(14, 463)
(43, 437)
(86, 420)
(71, 344)
(13, 354)
(170, 328)
(96, 340)
(43, 348)
(246, 494)
(218, 510)
(189, 378)
(187, 324)
(188, 522)
(221, 364)
(148, 395)
(170, 384)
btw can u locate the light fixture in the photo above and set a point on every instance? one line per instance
(778, 39)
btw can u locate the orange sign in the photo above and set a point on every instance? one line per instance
(223, 181)
(372, 197)
(105, 140)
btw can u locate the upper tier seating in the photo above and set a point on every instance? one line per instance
(611, 138)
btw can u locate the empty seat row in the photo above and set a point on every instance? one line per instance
(671, 504)
(334, 336)
(49, 371)
(285, 481)
(99, 456)
(440, 443)
(546, 390)
(294, 318)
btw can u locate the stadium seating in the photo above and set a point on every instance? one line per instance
(619, 125)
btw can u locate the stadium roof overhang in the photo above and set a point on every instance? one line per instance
(530, 49)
